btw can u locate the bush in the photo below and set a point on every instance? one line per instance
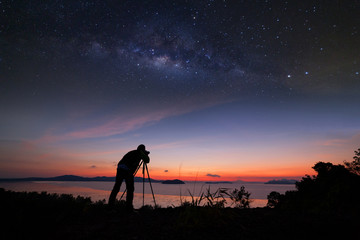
(334, 190)
(240, 198)
(273, 199)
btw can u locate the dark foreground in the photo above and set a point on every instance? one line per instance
(50, 216)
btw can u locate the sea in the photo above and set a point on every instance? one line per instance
(165, 195)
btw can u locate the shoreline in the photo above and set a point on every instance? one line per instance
(163, 200)
(166, 195)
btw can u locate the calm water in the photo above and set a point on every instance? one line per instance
(165, 194)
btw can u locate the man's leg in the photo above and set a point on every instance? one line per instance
(116, 188)
(129, 180)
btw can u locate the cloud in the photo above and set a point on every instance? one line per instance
(334, 142)
(213, 175)
(116, 124)
(166, 170)
(341, 141)
(93, 166)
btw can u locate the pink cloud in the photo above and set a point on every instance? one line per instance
(114, 126)
(339, 142)
(121, 124)
(334, 142)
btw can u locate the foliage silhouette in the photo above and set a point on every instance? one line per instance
(273, 199)
(239, 198)
(52, 216)
(40, 214)
(334, 190)
(354, 166)
(216, 199)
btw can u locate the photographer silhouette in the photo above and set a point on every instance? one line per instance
(125, 170)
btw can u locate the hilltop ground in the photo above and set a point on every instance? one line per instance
(50, 216)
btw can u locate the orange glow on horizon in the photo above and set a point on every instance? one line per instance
(26, 160)
(109, 170)
(202, 176)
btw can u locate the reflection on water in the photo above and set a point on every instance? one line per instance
(165, 194)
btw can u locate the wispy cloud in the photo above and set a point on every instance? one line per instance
(334, 142)
(340, 141)
(116, 125)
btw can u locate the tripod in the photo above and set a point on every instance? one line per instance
(144, 165)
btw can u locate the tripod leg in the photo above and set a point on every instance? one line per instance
(150, 183)
(137, 169)
(144, 184)
(122, 194)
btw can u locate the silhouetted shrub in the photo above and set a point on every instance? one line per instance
(273, 199)
(354, 166)
(240, 197)
(216, 199)
(334, 190)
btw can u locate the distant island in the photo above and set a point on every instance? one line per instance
(74, 178)
(282, 181)
(175, 181)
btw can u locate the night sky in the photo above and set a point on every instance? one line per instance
(216, 90)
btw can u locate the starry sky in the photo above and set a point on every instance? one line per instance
(216, 89)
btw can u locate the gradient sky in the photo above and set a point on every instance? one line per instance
(216, 90)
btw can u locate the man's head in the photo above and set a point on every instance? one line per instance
(141, 147)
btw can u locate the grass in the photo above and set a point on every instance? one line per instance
(222, 197)
(51, 216)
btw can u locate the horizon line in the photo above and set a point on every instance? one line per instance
(89, 178)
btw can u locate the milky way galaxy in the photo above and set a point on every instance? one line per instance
(88, 80)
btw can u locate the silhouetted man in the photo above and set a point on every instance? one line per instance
(125, 170)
